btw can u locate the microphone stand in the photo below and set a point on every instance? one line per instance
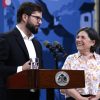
(51, 92)
(58, 55)
(55, 52)
(56, 61)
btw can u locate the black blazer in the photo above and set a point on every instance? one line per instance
(13, 53)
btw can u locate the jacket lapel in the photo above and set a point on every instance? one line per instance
(36, 47)
(20, 41)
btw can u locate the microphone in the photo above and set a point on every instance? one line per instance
(48, 45)
(58, 46)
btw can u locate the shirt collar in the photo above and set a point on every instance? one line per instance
(79, 55)
(24, 35)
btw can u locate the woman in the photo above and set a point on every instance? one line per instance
(88, 60)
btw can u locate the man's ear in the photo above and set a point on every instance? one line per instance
(24, 17)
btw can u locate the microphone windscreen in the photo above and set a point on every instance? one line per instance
(58, 45)
(47, 44)
(55, 43)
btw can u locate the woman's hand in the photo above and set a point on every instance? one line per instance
(63, 91)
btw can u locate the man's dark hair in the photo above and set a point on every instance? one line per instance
(93, 35)
(27, 8)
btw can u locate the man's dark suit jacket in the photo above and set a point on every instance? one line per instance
(13, 53)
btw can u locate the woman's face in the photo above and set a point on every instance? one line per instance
(83, 42)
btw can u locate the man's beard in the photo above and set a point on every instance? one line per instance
(32, 28)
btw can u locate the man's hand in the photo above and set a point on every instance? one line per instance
(27, 65)
(94, 98)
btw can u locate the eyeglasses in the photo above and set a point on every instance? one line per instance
(37, 18)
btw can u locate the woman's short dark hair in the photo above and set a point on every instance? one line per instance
(27, 8)
(93, 35)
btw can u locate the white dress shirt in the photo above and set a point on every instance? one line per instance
(29, 45)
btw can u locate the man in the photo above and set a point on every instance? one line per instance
(16, 49)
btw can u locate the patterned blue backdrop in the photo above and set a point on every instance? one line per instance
(61, 20)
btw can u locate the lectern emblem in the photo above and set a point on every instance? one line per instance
(62, 78)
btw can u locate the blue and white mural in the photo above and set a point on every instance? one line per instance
(61, 20)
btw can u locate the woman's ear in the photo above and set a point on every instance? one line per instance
(93, 42)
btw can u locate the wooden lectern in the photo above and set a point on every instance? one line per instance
(46, 78)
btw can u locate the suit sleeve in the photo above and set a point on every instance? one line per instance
(5, 70)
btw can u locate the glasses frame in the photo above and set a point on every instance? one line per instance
(37, 18)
